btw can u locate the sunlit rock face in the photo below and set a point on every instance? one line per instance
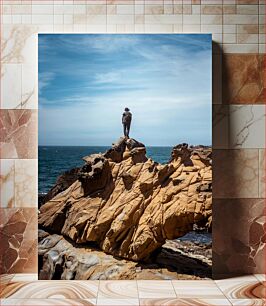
(129, 204)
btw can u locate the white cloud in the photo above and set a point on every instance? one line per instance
(45, 79)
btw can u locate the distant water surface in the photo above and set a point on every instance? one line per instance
(54, 160)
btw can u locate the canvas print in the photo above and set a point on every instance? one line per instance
(125, 156)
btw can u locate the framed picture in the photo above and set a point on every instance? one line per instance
(125, 156)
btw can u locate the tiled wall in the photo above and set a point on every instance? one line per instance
(238, 28)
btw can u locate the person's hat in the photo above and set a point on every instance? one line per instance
(127, 109)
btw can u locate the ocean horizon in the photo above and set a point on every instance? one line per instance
(54, 160)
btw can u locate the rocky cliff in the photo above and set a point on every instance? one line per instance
(128, 205)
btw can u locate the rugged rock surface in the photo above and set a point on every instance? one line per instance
(60, 259)
(62, 183)
(128, 204)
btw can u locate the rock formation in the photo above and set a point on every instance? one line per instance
(60, 259)
(128, 205)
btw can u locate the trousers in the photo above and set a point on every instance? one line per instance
(126, 129)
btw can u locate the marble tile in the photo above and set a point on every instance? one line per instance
(26, 184)
(183, 302)
(118, 289)
(241, 49)
(247, 28)
(238, 237)
(212, 9)
(243, 77)
(156, 289)
(260, 277)
(235, 173)
(197, 289)
(7, 182)
(18, 129)
(18, 231)
(117, 302)
(262, 173)
(48, 302)
(4, 280)
(229, 9)
(247, 9)
(51, 290)
(247, 126)
(216, 76)
(248, 302)
(11, 85)
(247, 1)
(246, 287)
(220, 126)
(29, 92)
(25, 277)
(19, 44)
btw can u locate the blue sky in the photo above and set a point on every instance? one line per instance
(86, 81)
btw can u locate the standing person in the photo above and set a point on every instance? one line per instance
(126, 121)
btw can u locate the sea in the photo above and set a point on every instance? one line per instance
(54, 160)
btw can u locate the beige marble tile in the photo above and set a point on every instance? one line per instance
(229, 9)
(96, 9)
(158, 28)
(211, 9)
(163, 19)
(51, 290)
(229, 38)
(25, 277)
(240, 48)
(4, 280)
(262, 176)
(248, 9)
(211, 19)
(7, 182)
(19, 44)
(117, 302)
(118, 290)
(209, 28)
(247, 28)
(248, 302)
(240, 19)
(197, 289)
(40, 19)
(183, 302)
(245, 287)
(191, 19)
(260, 277)
(229, 28)
(29, 92)
(11, 86)
(156, 289)
(247, 126)
(48, 302)
(42, 9)
(247, 38)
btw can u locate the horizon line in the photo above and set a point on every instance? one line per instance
(166, 146)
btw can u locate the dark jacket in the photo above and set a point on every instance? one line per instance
(126, 118)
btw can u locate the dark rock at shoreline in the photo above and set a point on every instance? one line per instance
(62, 259)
